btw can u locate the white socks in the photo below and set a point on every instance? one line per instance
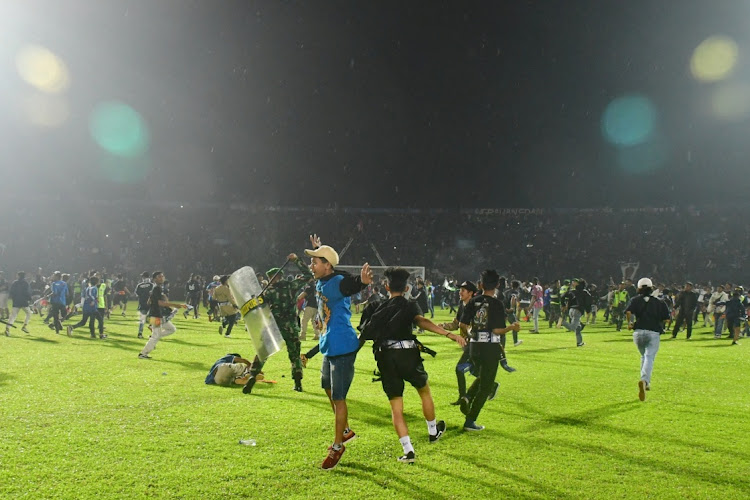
(431, 427)
(406, 444)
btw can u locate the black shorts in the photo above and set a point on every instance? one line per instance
(117, 299)
(732, 323)
(397, 366)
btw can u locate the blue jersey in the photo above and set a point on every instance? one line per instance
(90, 299)
(59, 293)
(334, 308)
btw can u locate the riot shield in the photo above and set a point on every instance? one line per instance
(260, 324)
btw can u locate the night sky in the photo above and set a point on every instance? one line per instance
(380, 103)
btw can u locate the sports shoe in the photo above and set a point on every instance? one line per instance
(407, 459)
(70, 331)
(221, 330)
(642, 390)
(7, 332)
(520, 341)
(472, 426)
(93, 336)
(734, 342)
(303, 360)
(248, 388)
(102, 336)
(349, 436)
(457, 402)
(140, 336)
(581, 344)
(333, 457)
(493, 392)
(297, 386)
(506, 367)
(144, 356)
(227, 336)
(464, 405)
(24, 329)
(440, 431)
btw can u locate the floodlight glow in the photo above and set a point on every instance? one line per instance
(731, 101)
(42, 69)
(629, 120)
(714, 59)
(44, 110)
(119, 129)
(643, 158)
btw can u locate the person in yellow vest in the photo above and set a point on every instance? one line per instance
(563, 291)
(619, 302)
(101, 305)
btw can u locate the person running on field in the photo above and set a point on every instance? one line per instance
(389, 326)
(650, 313)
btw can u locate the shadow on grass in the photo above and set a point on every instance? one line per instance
(588, 418)
(665, 465)
(521, 350)
(387, 482)
(5, 377)
(39, 339)
(541, 489)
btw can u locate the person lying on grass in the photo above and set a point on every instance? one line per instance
(228, 370)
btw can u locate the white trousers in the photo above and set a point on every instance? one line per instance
(158, 332)
(14, 313)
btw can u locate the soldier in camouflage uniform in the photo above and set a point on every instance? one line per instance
(281, 296)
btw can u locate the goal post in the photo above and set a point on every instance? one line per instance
(377, 271)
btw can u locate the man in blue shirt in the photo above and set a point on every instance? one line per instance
(58, 301)
(90, 298)
(338, 340)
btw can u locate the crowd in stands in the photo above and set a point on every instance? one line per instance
(671, 244)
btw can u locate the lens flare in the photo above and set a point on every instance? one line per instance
(731, 101)
(629, 120)
(42, 69)
(643, 158)
(714, 59)
(119, 129)
(44, 110)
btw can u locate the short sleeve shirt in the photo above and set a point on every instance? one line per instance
(484, 314)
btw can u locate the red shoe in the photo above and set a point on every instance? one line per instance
(349, 436)
(333, 457)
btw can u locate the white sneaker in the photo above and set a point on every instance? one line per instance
(518, 343)
(70, 330)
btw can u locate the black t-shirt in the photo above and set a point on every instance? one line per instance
(484, 314)
(460, 311)
(143, 291)
(650, 313)
(192, 288)
(312, 300)
(154, 310)
(391, 320)
(119, 286)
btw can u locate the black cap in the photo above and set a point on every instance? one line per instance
(469, 286)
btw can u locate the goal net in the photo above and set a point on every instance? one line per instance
(377, 271)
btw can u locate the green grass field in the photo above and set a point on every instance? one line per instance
(85, 418)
